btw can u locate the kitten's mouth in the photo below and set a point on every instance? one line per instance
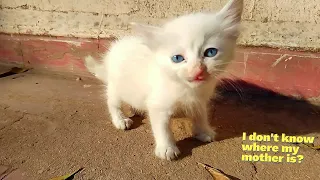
(198, 79)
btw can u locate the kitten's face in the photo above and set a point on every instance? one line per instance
(196, 48)
(193, 49)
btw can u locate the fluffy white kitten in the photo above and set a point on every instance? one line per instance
(169, 67)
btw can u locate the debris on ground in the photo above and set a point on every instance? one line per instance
(215, 173)
(312, 146)
(68, 176)
(86, 86)
(13, 71)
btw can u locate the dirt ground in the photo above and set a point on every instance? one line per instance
(51, 125)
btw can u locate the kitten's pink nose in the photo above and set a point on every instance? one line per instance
(200, 74)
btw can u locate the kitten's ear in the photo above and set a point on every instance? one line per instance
(150, 34)
(231, 14)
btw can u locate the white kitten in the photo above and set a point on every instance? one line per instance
(169, 67)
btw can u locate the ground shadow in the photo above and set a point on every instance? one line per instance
(261, 110)
(137, 121)
(186, 145)
(256, 110)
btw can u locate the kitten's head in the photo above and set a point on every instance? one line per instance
(197, 47)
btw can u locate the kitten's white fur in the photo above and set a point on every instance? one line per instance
(138, 70)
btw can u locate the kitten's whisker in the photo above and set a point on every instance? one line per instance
(235, 86)
(224, 71)
(232, 84)
(229, 81)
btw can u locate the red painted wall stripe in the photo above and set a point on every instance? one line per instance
(286, 72)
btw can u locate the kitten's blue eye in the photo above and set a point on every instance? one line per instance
(210, 52)
(177, 58)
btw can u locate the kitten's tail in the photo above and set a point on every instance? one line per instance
(95, 68)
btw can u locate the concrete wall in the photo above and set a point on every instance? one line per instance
(276, 23)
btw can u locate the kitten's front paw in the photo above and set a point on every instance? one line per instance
(167, 152)
(123, 124)
(206, 136)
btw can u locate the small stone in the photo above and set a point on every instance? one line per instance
(86, 85)
(78, 79)
(265, 20)
(40, 171)
(316, 141)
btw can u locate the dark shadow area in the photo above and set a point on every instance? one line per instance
(13, 71)
(260, 110)
(137, 121)
(186, 145)
(244, 107)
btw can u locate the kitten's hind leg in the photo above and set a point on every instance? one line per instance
(119, 120)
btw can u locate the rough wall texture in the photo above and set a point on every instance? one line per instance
(275, 23)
